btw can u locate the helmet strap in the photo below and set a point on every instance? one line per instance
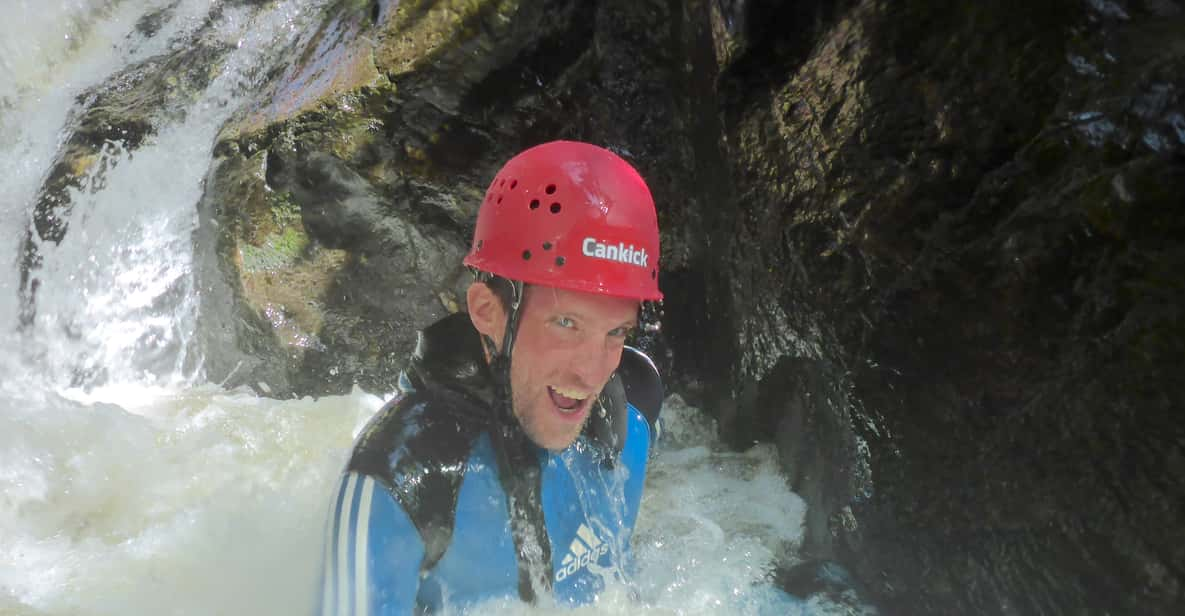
(516, 462)
(513, 313)
(500, 358)
(512, 316)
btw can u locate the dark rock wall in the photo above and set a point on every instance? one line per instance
(964, 217)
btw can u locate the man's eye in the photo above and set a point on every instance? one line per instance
(621, 331)
(565, 322)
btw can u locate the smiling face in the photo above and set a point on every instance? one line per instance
(568, 345)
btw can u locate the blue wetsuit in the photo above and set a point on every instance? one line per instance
(443, 502)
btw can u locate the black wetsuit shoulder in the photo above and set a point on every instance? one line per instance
(417, 446)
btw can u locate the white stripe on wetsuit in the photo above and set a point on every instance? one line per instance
(343, 548)
(340, 578)
(361, 574)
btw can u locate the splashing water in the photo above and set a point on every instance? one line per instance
(194, 502)
(128, 486)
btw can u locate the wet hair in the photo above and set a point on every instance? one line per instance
(502, 289)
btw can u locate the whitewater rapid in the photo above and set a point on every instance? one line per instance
(204, 501)
(129, 485)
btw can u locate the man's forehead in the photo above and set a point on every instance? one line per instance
(556, 300)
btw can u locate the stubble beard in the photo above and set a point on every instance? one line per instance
(534, 424)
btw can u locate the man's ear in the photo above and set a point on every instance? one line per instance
(486, 311)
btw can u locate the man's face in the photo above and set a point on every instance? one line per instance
(568, 345)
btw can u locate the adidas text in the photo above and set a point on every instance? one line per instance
(585, 549)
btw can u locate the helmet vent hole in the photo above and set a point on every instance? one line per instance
(653, 274)
(526, 255)
(534, 204)
(513, 184)
(546, 245)
(555, 208)
(499, 198)
(559, 261)
(551, 189)
(479, 244)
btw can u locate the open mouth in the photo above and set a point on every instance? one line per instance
(567, 401)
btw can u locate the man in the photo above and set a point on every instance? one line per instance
(512, 462)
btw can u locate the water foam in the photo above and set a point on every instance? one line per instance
(202, 502)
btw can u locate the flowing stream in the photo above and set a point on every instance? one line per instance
(128, 485)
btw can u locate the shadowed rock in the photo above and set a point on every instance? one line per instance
(941, 203)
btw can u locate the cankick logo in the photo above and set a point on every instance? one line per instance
(620, 252)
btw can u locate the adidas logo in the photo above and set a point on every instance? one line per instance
(585, 549)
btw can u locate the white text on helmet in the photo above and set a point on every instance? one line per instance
(619, 252)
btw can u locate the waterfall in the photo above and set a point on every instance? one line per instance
(112, 299)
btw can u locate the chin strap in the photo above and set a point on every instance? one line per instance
(500, 358)
(517, 459)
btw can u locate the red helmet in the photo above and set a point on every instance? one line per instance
(570, 215)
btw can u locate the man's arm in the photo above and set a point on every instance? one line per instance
(372, 552)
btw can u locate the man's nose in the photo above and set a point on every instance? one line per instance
(596, 361)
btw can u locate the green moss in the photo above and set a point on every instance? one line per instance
(284, 212)
(277, 251)
(291, 243)
(280, 238)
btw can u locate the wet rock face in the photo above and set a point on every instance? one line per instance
(935, 205)
(932, 251)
